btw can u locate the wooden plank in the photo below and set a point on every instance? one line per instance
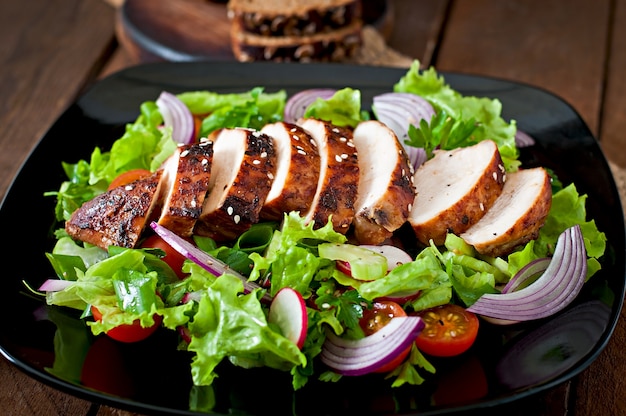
(548, 43)
(22, 395)
(601, 388)
(43, 76)
(418, 25)
(49, 51)
(613, 125)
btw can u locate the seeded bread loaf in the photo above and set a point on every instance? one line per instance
(293, 17)
(295, 30)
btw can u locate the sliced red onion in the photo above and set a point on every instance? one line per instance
(55, 285)
(211, 264)
(362, 356)
(297, 104)
(177, 116)
(526, 274)
(556, 288)
(522, 139)
(398, 111)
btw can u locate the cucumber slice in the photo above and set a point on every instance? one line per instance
(365, 264)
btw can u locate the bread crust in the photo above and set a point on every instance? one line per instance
(310, 22)
(285, 7)
(331, 46)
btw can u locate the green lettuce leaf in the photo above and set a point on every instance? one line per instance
(231, 325)
(485, 111)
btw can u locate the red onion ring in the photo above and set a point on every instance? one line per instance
(177, 116)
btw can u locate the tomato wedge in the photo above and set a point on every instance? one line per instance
(376, 318)
(128, 177)
(172, 257)
(129, 332)
(450, 330)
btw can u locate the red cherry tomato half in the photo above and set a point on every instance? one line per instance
(450, 330)
(376, 318)
(129, 332)
(172, 257)
(128, 177)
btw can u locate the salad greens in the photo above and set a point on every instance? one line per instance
(223, 322)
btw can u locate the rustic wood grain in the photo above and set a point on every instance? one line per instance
(613, 115)
(556, 45)
(53, 49)
(49, 51)
(419, 25)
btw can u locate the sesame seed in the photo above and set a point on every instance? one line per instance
(495, 176)
(343, 139)
(256, 162)
(230, 210)
(295, 137)
(236, 218)
(302, 152)
(128, 187)
(338, 158)
(344, 156)
(204, 162)
(263, 154)
(293, 130)
(193, 203)
(410, 207)
(482, 206)
(335, 130)
(270, 175)
(350, 143)
(313, 142)
(184, 153)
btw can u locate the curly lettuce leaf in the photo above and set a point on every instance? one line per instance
(484, 111)
(342, 109)
(231, 325)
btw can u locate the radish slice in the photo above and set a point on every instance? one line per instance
(288, 312)
(556, 288)
(203, 259)
(365, 355)
(177, 116)
(399, 110)
(296, 105)
(55, 285)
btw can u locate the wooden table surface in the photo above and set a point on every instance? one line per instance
(52, 50)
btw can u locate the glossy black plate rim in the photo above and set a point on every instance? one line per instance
(135, 85)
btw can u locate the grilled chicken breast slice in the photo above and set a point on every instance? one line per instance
(516, 216)
(455, 189)
(339, 175)
(241, 177)
(297, 170)
(186, 176)
(118, 216)
(386, 191)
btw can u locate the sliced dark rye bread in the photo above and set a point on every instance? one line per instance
(293, 17)
(334, 46)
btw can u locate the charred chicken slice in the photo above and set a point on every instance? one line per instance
(297, 170)
(339, 175)
(241, 177)
(455, 189)
(186, 177)
(516, 216)
(386, 191)
(119, 216)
